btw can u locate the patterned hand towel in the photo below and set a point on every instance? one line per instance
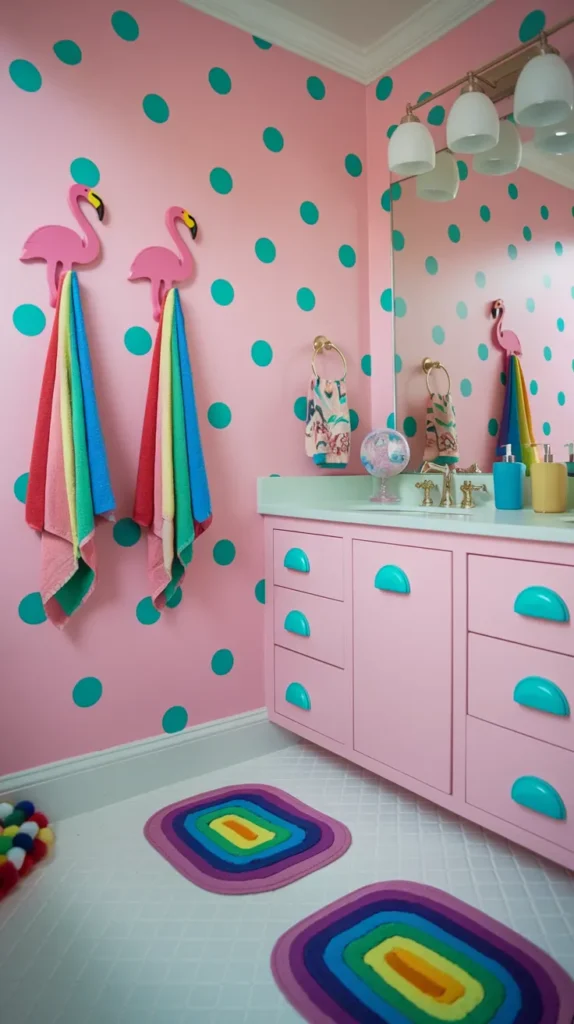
(328, 430)
(441, 445)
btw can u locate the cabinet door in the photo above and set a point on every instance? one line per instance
(403, 659)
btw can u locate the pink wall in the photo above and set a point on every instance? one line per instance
(93, 109)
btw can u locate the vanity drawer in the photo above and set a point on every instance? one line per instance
(309, 625)
(313, 694)
(308, 562)
(521, 780)
(527, 602)
(521, 688)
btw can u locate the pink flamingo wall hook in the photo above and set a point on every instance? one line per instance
(161, 266)
(61, 247)
(508, 341)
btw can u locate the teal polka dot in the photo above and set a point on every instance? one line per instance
(223, 552)
(400, 307)
(31, 609)
(137, 341)
(25, 75)
(530, 305)
(391, 195)
(87, 692)
(222, 292)
(305, 299)
(547, 353)
(273, 139)
(309, 212)
(391, 421)
(265, 250)
(546, 428)
(67, 51)
(353, 419)
(398, 241)
(29, 320)
(462, 310)
(260, 591)
(353, 165)
(410, 426)
(485, 214)
(503, 378)
(493, 427)
(547, 281)
(465, 387)
(572, 291)
(561, 398)
(315, 88)
(558, 248)
(175, 719)
(222, 662)
(483, 352)
(531, 25)
(533, 387)
(462, 169)
(387, 300)
(513, 190)
(85, 172)
(261, 353)
(424, 96)
(347, 256)
(219, 81)
(512, 252)
(21, 487)
(175, 599)
(126, 532)
(454, 232)
(384, 88)
(480, 279)
(221, 181)
(366, 365)
(219, 415)
(438, 334)
(560, 324)
(436, 115)
(398, 363)
(125, 26)
(391, 130)
(262, 43)
(431, 265)
(300, 408)
(146, 613)
(544, 212)
(155, 108)
(527, 233)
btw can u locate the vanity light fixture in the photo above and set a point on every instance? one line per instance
(556, 138)
(441, 184)
(505, 157)
(472, 125)
(411, 147)
(544, 93)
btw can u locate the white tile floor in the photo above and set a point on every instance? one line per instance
(108, 931)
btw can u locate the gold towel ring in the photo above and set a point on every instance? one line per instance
(322, 344)
(428, 366)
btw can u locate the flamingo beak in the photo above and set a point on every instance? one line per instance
(191, 223)
(96, 202)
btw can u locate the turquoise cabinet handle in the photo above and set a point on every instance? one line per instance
(539, 796)
(296, 622)
(542, 603)
(390, 577)
(297, 560)
(297, 694)
(543, 695)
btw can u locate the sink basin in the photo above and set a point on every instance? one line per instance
(399, 509)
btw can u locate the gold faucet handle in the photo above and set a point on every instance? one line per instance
(426, 486)
(467, 489)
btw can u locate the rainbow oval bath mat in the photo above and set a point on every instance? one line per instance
(245, 839)
(409, 954)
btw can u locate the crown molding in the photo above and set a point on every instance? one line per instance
(364, 65)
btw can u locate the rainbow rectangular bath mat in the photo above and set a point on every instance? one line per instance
(245, 839)
(410, 954)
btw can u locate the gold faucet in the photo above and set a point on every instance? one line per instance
(426, 486)
(467, 488)
(447, 500)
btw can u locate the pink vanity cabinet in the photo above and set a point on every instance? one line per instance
(442, 662)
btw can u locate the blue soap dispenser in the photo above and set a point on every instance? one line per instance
(570, 464)
(508, 476)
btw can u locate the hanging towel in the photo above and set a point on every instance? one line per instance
(516, 423)
(441, 444)
(68, 465)
(327, 429)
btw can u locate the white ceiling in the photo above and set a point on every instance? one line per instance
(359, 38)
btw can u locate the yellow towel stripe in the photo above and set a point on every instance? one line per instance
(168, 492)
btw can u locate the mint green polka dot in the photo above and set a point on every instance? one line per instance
(544, 212)
(547, 352)
(155, 108)
(531, 25)
(146, 613)
(353, 165)
(533, 387)
(67, 51)
(265, 250)
(175, 599)
(309, 212)
(300, 408)
(353, 419)
(462, 310)
(219, 415)
(483, 352)
(512, 252)
(273, 139)
(221, 181)
(87, 692)
(219, 81)
(260, 591)
(347, 256)
(513, 190)
(400, 307)
(262, 43)
(454, 232)
(175, 719)
(222, 662)
(31, 609)
(546, 428)
(547, 281)
(466, 387)
(223, 552)
(493, 427)
(558, 248)
(25, 75)
(85, 172)
(391, 421)
(436, 115)
(485, 213)
(431, 265)
(305, 299)
(384, 88)
(222, 292)
(462, 169)
(126, 532)
(398, 363)
(530, 305)
(527, 233)
(410, 426)
(137, 341)
(387, 300)
(560, 324)
(316, 87)
(29, 320)
(261, 353)
(21, 487)
(561, 398)
(398, 240)
(125, 26)
(438, 334)
(391, 130)
(480, 279)
(366, 365)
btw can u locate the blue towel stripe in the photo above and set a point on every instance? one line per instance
(200, 499)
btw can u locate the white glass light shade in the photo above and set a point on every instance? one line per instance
(505, 157)
(411, 149)
(556, 138)
(441, 184)
(472, 125)
(544, 91)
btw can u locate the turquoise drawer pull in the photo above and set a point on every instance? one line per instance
(542, 603)
(390, 577)
(539, 796)
(297, 560)
(297, 694)
(296, 622)
(539, 693)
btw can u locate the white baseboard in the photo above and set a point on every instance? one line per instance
(65, 788)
